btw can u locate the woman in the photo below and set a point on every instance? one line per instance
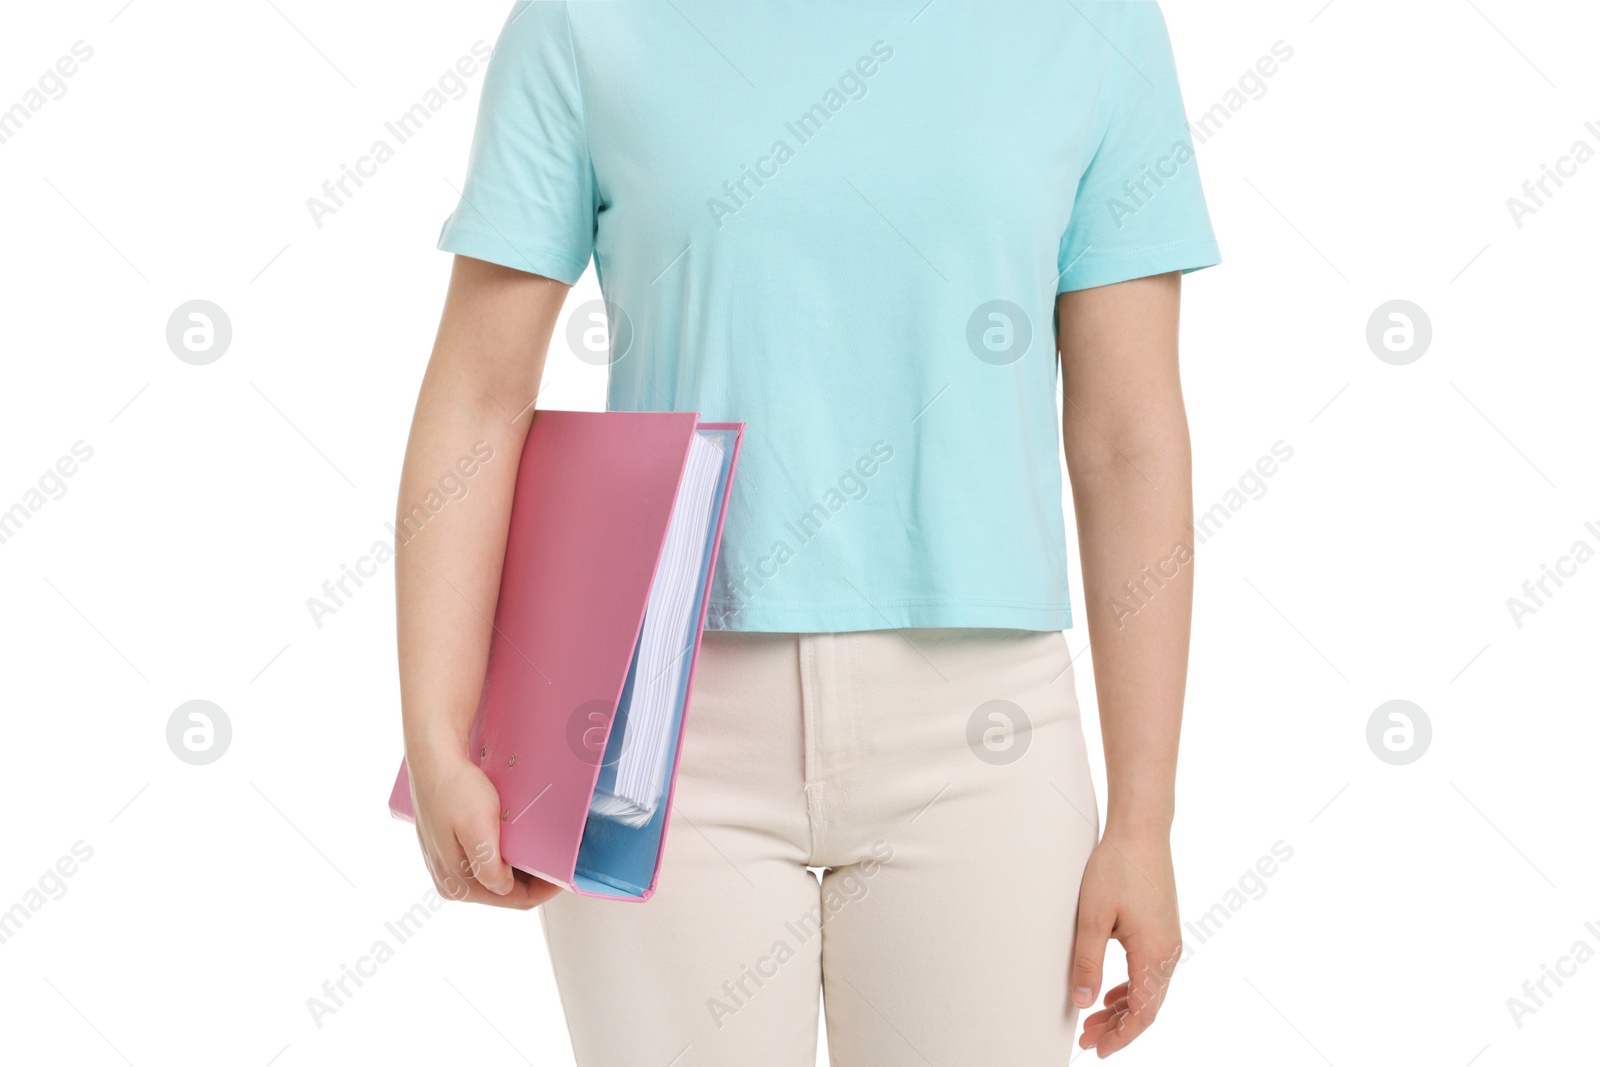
(875, 233)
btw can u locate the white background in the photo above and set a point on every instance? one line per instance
(1377, 565)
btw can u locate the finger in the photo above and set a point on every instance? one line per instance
(1115, 1000)
(1096, 1030)
(479, 838)
(1149, 972)
(1101, 1038)
(1096, 1026)
(1146, 988)
(445, 861)
(430, 860)
(530, 891)
(1109, 1033)
(1120, 1036)
(1089, 955)
(526, 892)
(453, 879)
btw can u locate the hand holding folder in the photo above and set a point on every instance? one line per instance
(614, 530)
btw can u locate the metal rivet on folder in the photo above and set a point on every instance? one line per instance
(513, 761)
(504, 815)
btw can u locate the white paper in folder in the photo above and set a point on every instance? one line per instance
(630, 789)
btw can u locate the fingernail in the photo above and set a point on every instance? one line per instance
(1083, 996)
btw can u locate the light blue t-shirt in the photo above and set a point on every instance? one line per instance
(845, 223)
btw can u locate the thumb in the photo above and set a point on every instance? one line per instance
(484, 862)
(1088, 956)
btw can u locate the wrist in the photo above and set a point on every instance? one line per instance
(1140, 825)
(436, 750)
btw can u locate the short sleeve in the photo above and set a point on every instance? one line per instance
(529, 201)
(1139, 208)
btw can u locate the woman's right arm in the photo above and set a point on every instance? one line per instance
(476, 399)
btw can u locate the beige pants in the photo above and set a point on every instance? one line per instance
(939, 780)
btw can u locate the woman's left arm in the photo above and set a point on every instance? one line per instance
(1127, 447)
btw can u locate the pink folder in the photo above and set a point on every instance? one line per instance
(594, 495)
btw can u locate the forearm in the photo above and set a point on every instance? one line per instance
(447, 572)
(1127, 447)
(1138, 578)
(474, 403)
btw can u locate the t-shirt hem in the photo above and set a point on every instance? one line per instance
(906, 614)
(497, 248)
(1093, 270)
